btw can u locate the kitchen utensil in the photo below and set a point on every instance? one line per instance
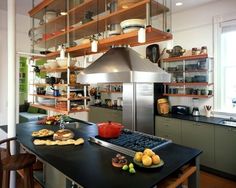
(40, 91)
(109, 129)
(36, 68)
(153, 53)
(208, 110)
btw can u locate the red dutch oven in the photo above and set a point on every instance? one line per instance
(109, 129)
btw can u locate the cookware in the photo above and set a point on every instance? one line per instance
(109, 129)
(153, 53)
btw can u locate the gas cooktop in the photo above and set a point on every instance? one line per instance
(130, 142)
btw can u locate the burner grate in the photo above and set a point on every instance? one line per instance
(136, 141)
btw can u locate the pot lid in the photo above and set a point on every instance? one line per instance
(122, 64)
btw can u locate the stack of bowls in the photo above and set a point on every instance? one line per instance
(132, 25)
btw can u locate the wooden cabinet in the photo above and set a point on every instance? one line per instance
(168, 128)
(200, 136)
(225, 150)
(98, 114)
(191, 76)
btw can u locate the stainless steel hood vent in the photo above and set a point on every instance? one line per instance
(122, 64)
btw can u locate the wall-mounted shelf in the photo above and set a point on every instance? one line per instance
(62, 69)
(192, 76)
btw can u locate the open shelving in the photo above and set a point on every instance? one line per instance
(191, 71)
(64, 29)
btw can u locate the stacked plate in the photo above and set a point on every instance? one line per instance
(132, 25)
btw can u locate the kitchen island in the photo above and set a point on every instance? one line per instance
(89, 165)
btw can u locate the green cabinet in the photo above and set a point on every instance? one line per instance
(225, 149)
(200, 136)
(98, 114)
(169, 128)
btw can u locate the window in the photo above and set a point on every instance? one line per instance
(226, 68)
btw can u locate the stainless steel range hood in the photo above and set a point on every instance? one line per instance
(122, 64)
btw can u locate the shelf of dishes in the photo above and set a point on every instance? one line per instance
(62, 111)
(93, 25)
(181, 58)
(198, 91)
(152, 35)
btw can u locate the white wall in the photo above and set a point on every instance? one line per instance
(22, 44)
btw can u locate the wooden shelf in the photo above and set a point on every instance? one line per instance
(50, 97)
(96, 26)
(181, 58)
(152, 35)
(62, 69)
(186, 95)
(58, 110)
(189, 84)
(45, 85)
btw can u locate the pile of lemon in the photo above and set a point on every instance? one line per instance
(147, 157)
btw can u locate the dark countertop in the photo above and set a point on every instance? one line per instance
(202, 119)
(108, 107)
(90, 165)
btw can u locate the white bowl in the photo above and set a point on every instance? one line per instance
(49, 15)
(52, 63)
(62, 62)
(130, 29)
(132, 23)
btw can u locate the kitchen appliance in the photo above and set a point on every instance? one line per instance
(124, 65)
(130, 142)
(181, 110)
(195, 111)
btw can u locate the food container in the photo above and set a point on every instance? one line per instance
(109, 129)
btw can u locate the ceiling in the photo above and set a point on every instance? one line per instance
(23, 6)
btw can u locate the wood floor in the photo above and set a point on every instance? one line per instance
(207, 181)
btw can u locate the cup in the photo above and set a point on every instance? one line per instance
(208, 113)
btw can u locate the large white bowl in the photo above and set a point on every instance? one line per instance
(52, 63)
(132, 23)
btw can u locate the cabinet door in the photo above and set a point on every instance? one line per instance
(225, 149)
(168, 128)
(200, 136)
